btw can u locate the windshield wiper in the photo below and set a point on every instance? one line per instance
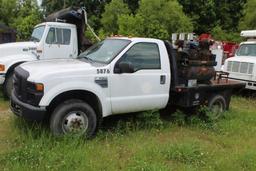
(85, 57)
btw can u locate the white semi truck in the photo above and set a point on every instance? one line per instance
(242, 67)
(60, 37)
(115, 76)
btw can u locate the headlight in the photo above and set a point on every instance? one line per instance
(2, 67)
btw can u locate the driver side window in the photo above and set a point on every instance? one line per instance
(143, 56)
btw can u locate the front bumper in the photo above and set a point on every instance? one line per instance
(27, 111)
(2, 79)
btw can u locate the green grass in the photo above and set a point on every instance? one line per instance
(140, 143)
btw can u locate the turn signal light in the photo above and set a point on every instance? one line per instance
(39, 87)
(2, 67)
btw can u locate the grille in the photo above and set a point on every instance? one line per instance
(23, 89)
(240, 67)
(20, 83)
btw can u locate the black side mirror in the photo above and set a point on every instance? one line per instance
(124, 67)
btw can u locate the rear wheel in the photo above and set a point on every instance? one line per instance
(74, 117)
(217, 105)
(8, 86)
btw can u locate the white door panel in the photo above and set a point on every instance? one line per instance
(58, 43)
(57, 51)
(147, 87)
(138, 91)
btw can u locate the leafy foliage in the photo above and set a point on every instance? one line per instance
(202, 14)
(7, 9)
(110, 16)
(219, 34)
(28, 15)
(248, 21)
(150, 18)
(157, 19)
(208, 14)
(229, 13)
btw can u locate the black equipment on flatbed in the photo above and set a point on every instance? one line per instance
(202, 92)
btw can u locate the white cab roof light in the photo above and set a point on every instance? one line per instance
(248, 33)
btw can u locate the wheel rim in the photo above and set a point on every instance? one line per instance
(75, 122)
(217, 109)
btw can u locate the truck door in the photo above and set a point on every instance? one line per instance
(58, 43)
(144, 89)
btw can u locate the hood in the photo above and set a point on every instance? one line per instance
(250, 59)
(45, 68)
(9, 49)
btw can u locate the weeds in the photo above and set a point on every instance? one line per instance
(188, 153)
(139, 142)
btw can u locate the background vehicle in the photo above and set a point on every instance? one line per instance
(242, 66)
(60, 37)
(118, 75)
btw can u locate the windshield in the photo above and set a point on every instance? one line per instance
(247, 50)
(37, 33)
(105, 50)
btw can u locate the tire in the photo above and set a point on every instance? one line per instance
(8, 86)
(74, 117)
(217, 106)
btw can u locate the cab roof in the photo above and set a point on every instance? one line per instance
(59, 24)
(137, 39)
(249, 42)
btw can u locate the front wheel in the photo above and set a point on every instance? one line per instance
(74, 117)
(8, 86)
(217, 105)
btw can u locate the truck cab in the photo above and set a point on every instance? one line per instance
(60, 37)
(242, 66)
(49, 40)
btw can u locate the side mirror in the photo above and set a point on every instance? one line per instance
(124, 67)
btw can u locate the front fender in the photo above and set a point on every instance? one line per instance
(101, 93)
(9, 61)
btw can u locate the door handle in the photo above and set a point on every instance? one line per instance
(162, 79)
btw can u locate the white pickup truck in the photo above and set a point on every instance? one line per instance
(115, 76)
(242, 67)
(49, 40)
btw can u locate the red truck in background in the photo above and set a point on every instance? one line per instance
(229, 48)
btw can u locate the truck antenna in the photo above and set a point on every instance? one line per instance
(87, 24)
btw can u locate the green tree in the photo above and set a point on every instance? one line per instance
(28, 15)
(249, 19)
(51, 6)
(220, 34)
(128, 25)
(229, 13)
(202, 13)
(133, 5)
(109, 19)
(7, 11)
(208, 14)
(156, 18)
